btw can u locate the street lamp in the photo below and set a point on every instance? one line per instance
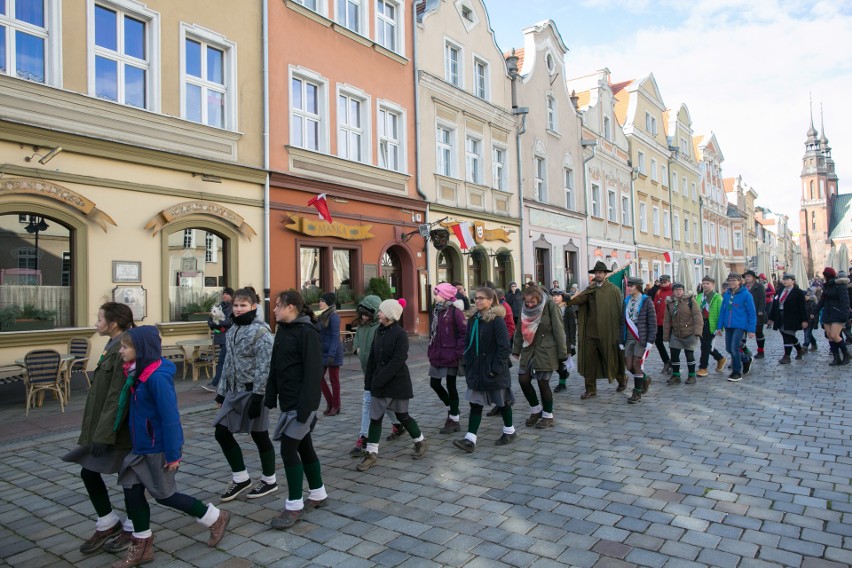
(34, 228)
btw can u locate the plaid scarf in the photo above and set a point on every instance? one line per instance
(530, 318)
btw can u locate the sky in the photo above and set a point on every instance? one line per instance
(746, 70)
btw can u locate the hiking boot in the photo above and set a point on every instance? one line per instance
(621, 387)
(495, 411)
(747, 365)
(311, 504)
(140, 551)
(735, 377)
(369, 461)
(533, 419)
(646, 386)
(720, 364)
(286, 520)
(119, 543)
(544, 423)
(785, 360)
(667, 368)
(217, 529)
(396, 431)
(360, 447)
(800, 352)
(420, 449)
(674, 380)
(560, 388)
(234, 489)
(505, 439)
(759, 355)
(450, 426)
(262, 489)
(465, 444)
(690, 380)
(98, 539)
(813, 348)
(702, 372)
(589, 394)
(634, 398)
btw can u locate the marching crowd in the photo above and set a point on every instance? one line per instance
(131, 424)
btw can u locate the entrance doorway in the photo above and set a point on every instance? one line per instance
(392, 272)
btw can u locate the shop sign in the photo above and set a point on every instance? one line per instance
(481, 234)
(319, 228)
(550, 220)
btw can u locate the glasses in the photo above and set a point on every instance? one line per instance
(481, 298)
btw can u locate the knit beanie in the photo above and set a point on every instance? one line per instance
(329, 298)
(446, 291)
(391, 309)
(829, 272)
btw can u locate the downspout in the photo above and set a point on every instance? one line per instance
(417, 167)
(671, 220)
(586, 183)
(266, 222)
(701, 232)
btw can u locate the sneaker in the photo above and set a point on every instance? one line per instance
(702, 372)
(465, 444)
(505, 439)
(450, 426)
(544, 423)
(735, 377)
(234, 489)
(261, 489)
(720, 364)
(495, 410)
(690, 380)
(634, 398)
(396, 432)
(360, 448)
(747, 365)
(287, 519)
(369, 461)
(533, 419)
(311, 504)
(217, 529)
(647, 385)
(673, 380)
(420, 449)
(210, 387)
(119, 543)
(560, 388)
(98, 539)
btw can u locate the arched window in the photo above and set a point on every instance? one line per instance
(812, 189)
(813, 220)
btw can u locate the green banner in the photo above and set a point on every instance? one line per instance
(617, 278)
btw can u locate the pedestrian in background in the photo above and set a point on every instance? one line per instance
(515, 299)
(660, 293)
(569, 324)
(104, 439)
(446, 346)
(736, 319)
(813, 320)
(709, 302)
(789, 314)
(332, 353)
(835, 313)
(638, 328)
(682, 328)
(219, 326)
(761, 308)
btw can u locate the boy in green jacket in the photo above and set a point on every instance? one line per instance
(710, 303)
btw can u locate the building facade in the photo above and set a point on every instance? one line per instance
(715, 223)
(131, 162)
(684, 180)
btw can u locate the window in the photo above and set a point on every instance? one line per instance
(685, 184)
(445, 150)
(212, 250)
(650, 124)
(452, 64)
(480, 79)
(195, 273)
(188, 238)
(706, 233)
(813, 220)
(390, 141)
(26, 40)
(607, 128)
(667, 229)
(570, 202)
(122, 49)
(596, 200)
(684, 148)
(388, 28)
(306, 116)
(625, 211)
(467, 13)
(641, 159)
(643, 217)
(676, 224)
(498, 165)
(352, 135)
(738, 240)
(664, 176)
(208, 78)
(686, 228)
(655, 220)
(674, 181)
(694, 192)
(312, 4)
(28, 260)
(540, 180)
(326, 268)
(653, 169)
(349, 14)
(473, 151)
(611, 206)
(551, 114)
(713, 234)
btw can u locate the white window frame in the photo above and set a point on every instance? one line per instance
(211, 253)
(694, 191)
(643, 217)
(686, 234)
(738, 240)
(450, 45)
(713, 233)
(654, 169)
(342, 19)
(191, 234)
(596, 201)
(229, 73)
(540, 183)
(351, 93)
(626, 211)
(664, 175)
(655, 220)
(151, 18)
(640, 158)
(570, 198)
(481, 91)
(399, 25)
(650, 124)
(676, 224)
(318, 7)
(474, 160)
(389, 108)
(552, 113)
(51, 33)
(611, 206)
(695, 225)
(498, 167)
(706, 232)
(449, 146)
(607, 128)
(308, 76)
(674, 181)
(684, 148)
(667, 226)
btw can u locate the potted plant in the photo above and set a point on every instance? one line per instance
(199, 310)
(28, 318)
(379, 287)
(345, 298)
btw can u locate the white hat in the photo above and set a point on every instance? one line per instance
(391, 309)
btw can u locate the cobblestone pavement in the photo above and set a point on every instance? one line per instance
(756, 473)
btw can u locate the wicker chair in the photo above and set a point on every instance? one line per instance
(43, 373)
(81, 349)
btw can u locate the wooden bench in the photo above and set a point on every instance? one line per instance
(11, 374)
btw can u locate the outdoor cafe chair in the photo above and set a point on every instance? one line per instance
(43, 373)
(81, 349)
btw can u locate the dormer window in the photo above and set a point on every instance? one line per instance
(467, 14)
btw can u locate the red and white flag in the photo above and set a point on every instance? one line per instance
(667, 255)
(321, 205)
(463, 234)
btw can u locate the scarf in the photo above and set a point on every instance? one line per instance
(326, 316)
(474, 332)
(129, 369)
(530, 318)
(246, 318)
(440, 308)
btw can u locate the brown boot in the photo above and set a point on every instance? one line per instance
(98, 539)
(217, 529)
(800, 352)
(141, 551)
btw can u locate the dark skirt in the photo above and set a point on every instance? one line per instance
(110, 462)
(234, 414)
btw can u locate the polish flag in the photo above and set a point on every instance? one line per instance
(463, 234)
(667, 256)
(321, 206)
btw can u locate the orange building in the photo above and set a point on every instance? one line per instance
(342, 123)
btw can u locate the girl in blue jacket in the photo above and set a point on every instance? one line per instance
(156, 437)
(737, 317)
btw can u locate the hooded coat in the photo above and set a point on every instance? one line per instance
(486, 356)
(684, 322)
(605, 301)
(447, 343)
(549, 346)
(365, 333)
(835, 301)
(387, 373)
(332, 347)
(249, 350)
(296, 369)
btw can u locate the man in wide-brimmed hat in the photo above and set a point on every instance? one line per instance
(600, 325)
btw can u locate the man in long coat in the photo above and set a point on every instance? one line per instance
(600, 324)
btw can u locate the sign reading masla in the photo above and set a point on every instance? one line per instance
(319, 228)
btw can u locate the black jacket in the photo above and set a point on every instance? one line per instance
(516, 301)
(758, 293)
(569, 320)
(835, 301)
(296, 369)
(387, 374)
(486, 355)
(795, 310)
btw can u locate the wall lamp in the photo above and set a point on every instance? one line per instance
(43, 158)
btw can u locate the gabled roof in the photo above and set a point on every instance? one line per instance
(666, 124)
(583, 98)
(730, 184)
(733, 211)
(622, 100)
(841, 217)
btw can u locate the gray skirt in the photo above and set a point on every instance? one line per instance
(442, 372)
(110, 462)
(537, 375)
(378, 406)
(497, 397)
(148, 470)
(683, 343)
(234, 414)
(289, 426)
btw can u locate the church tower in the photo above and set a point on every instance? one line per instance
(819, 188)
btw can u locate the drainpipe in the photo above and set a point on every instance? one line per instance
(593, 144)
(671, 219)
(512, 68)
(266, 237)
(418, 166)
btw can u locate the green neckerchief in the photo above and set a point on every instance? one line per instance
(122, 400)
(474, 334)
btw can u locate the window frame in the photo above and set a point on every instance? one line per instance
(540, 179)
(655, 220)
(552, 113)
(391, 108)
(343, 19)
(498, 167)
(364, 101)
(322, 116)
(138, 11)
(450, 46)
(611, 206)
(570, 189)
(596, 201)
(643, 217)
(399, 29)
(51, 34)
(640, 158)
(676, 227)
(674, 181)
(686, 229)
(449, 146)
(626, 217)
(667, 225)
(474, 161)
(607, 128)
(485, 94)
(654, 169)
(229, 72)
